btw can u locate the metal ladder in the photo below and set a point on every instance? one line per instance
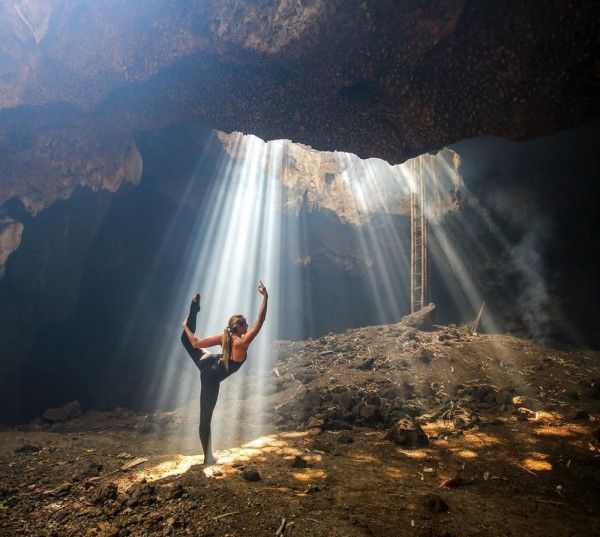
(419, 263)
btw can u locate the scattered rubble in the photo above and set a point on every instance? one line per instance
(355, 449)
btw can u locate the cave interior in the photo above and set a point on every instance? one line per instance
(153, 152)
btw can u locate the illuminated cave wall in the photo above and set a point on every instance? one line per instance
(95, 268)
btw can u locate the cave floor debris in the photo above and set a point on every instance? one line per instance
(514, 448)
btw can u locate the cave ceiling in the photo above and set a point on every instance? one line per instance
(383, 78)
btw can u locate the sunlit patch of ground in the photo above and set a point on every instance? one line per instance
(177, 465)
(537, 462)
(567, 430)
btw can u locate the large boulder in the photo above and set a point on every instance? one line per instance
(64, 413)
(407, 434)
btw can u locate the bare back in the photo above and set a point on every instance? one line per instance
(239, 348)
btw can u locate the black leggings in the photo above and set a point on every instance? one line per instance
(212, 372)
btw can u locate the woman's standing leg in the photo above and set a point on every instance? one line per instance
(209, 393)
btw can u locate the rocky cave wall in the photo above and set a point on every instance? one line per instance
(83, 298)
(378, 79)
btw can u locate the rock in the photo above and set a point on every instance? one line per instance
(142, 494)
(312, 401)
(299, 462)
(425, 356)
(338, 425)
(408, 434)
(11, 232)
(519, 400)
(368, 413)
(581, 415)
(523, 414)
(367, 364)
(251, 474)
(417, 319)
(104, 493)
(92, 470)
(344, 438)
(172, 523)
(456, 481)
(28, 448)
(434, 503)
(177, 491)
(315, 423)
(67, 412)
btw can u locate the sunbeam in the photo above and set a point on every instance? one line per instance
(255, 223)
(236, 242)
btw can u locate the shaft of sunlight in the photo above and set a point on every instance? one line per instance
(237, 243)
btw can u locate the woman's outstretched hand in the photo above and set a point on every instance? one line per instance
(262, 289)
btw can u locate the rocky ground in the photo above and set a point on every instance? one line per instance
(383, 430)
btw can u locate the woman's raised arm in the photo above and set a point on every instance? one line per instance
(262, 314)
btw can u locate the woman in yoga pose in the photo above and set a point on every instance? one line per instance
(214, 368)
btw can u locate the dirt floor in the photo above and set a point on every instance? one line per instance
(511, 447)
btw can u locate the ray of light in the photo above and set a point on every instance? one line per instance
(237, 242)
(382, 247)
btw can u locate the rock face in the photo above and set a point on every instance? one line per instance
(43, 164)
(340, 183)
(79, 81)
(382, 79)
(10, 238)
(354, 190)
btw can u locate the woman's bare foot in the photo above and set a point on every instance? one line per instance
(209, 460)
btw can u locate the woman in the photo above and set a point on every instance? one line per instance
(214, 368)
